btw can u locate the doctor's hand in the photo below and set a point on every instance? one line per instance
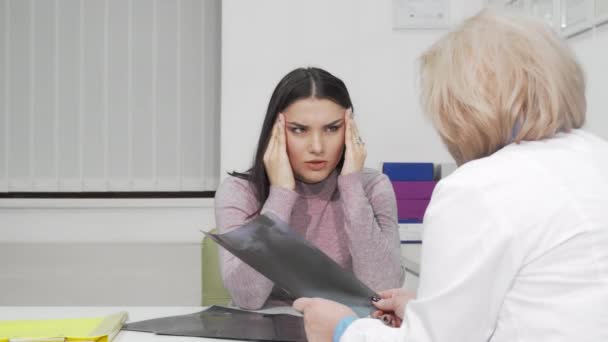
(321, 316)
(391, 306)
(276, 160)
(354, 156)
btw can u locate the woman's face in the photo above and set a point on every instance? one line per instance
(315, 138)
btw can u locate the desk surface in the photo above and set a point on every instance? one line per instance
(135, 314)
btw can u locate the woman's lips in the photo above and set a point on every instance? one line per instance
(316, 165)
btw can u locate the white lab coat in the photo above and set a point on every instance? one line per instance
(515, 248)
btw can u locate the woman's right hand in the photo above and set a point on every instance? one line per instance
(276, 160)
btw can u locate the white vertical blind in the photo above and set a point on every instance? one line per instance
(109, 95)
(4, 95)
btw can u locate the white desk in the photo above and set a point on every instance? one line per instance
(135, 314)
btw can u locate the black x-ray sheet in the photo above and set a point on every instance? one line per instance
(271, 247)
(227, 323)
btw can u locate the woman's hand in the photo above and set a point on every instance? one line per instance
(354, 157)
(391, 306)
(276, 160)
(321, 316)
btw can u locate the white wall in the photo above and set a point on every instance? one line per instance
(353, 39)
(105, 220)
(592, 51)
(102, 252)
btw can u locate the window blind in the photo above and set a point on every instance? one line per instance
(109, 95)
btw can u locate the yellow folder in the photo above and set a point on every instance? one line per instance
(101, 329)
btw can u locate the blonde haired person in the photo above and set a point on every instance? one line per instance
(516, 240)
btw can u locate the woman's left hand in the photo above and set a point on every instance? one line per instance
(354, 156)
(321, 316)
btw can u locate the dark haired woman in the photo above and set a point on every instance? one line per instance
(308, 171)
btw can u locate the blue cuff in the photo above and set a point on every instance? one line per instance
(342, 326)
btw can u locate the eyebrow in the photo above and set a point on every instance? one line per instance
(333, 123)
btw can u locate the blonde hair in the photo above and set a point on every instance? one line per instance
(499, 79)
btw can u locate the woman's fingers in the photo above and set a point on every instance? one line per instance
(355, 134)
(354, 158)
(276, 159)
(281, 139)
(387, 304)
(388, 318)
(397, 322)
(301, 304)
(391, 293)
(348, 139)
(377, 313)
(394, 301)
(271, 142)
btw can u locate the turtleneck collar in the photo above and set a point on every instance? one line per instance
(324, 189)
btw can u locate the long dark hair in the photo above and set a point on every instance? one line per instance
(301, 83)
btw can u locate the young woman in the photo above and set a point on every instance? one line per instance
(516, 240)
(308, 171)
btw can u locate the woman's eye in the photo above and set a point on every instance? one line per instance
(333, 128)
(297, 130)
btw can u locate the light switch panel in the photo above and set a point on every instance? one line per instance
(421, 14)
